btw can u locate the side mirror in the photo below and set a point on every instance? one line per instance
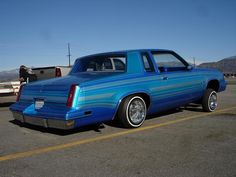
(189, 67)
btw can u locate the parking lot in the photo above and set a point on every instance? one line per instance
(184, 142)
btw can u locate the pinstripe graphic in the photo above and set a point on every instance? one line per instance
(138, 80)
(96, 96)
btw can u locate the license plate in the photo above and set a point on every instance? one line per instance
(39, 104)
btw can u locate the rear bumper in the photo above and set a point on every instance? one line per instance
(44, 122)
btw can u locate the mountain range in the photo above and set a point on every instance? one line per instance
(226, 65)
(11, 75)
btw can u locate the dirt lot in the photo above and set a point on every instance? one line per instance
(181, 143)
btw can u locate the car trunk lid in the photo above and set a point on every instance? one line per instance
(56, 90)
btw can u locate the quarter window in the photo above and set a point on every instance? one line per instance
(119, 64)
(148, 66)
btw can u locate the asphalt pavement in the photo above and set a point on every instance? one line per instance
(184, 142)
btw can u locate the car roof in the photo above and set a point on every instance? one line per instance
(124, 52)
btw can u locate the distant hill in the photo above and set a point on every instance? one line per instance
(11, 75)
(227, 65)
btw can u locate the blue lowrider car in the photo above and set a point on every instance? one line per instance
(128, 85)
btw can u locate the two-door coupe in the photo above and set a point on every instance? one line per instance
(128, 85)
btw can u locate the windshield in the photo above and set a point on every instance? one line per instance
(100, 64)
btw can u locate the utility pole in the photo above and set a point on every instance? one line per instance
(194, 64)
(69, 55)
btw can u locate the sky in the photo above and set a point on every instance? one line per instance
(36, 32)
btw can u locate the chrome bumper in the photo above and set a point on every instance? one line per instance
(47, 123)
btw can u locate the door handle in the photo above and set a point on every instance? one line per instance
(164, 78)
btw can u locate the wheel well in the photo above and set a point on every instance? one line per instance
(144, 96)
(213, 84)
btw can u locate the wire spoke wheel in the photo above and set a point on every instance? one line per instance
(136, 111)
(132, 112)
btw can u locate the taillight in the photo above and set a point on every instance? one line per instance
(58, 72)
(71, 96)
(19, 93)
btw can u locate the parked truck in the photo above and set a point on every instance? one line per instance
(43, 73)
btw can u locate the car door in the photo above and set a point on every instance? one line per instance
(175, 83)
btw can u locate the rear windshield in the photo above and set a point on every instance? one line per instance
(100, 64)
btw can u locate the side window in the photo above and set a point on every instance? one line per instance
(148, 66)
(168, 62)
(119, 64)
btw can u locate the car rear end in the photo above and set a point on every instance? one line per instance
(48, 105)
(66, 102)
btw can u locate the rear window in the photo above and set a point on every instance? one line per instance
(102, 63)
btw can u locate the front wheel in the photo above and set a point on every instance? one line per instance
(209, 101)
(132, 112)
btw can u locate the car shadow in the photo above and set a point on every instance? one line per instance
(190, 107)
(117, 124)
(6, 104)
(194, 107)
(164, 113)
(96, 128)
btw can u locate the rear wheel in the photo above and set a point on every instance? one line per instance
(209, 101)
(132, 112)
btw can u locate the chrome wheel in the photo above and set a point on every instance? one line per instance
(212, 101)
(136, 112)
